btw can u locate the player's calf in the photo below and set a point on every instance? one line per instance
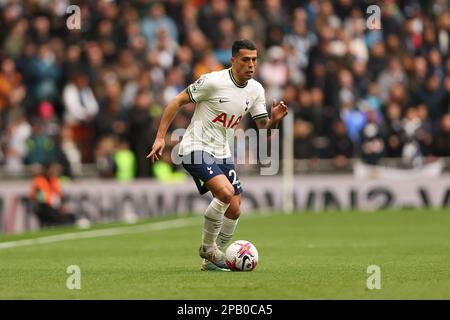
(212, 222)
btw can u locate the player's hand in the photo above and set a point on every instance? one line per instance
(157, 150)
(279, 111)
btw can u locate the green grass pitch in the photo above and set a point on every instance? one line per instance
(302, 256)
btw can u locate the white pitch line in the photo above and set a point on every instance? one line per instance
(164, 225)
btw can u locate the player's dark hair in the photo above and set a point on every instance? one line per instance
(242, 44)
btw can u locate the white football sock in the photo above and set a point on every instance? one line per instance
(226, 232)
(212, 222)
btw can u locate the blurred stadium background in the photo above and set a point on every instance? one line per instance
(369, 125)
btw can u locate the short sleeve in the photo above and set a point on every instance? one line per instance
(200, 89)
(259, 110)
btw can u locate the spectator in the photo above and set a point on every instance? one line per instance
(80, 103)
(124, 162)
(290, 98)
(165, 48)
(435, 65)
(47, 198)
(141, 131)
(354, 26)
(106, 37)
(346, 90)
(274, 72)
(398, 94)
(354, 120)
(391, 18)
(155, 20)
(304, 140)
(445, 105)
(15, 41)
(377, 60)
(372, 140)
(111, 119)
(50, 123)
(17, 133)
(362, 81)
(248, 20)
(40, 29)
(174, 84)
(301, 39)
(95, 60)
(198, 43)
(104, 157)
(319, 117)
(371, 99)
(424, 134)
(184, 62)
(188, 21)
(126, 69)
(81, 107)
(411, 152)
(70, 151)
(210, 17)
(432, 96)
(208, 63)
(276, 21)
(341, 145)
(329, 67)
(394, 133)
(134, 40)
(392, 75)
(442, 139)
(40, 146)
(132, 87)
(12, 91)
(164, 171)
(46, 74)
(443, 25)
(223, 52)
(420, 74)
(72, 62)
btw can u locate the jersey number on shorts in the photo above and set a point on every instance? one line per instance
(235, 180)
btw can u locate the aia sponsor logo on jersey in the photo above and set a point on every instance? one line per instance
(228, 123)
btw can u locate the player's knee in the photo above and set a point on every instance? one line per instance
(225, 194)
(233, 212)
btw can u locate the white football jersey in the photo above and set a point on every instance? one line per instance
(221, 103)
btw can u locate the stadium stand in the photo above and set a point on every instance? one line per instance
(74, 96)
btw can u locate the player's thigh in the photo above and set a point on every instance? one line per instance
(229, 171)
(234, 210)
(221, 188)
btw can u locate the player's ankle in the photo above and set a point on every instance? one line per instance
(207, 247)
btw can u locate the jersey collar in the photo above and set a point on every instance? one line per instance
(234, 80)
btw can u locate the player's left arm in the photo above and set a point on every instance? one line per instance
(278, 112)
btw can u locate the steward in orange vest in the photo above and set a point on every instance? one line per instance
(47, 196)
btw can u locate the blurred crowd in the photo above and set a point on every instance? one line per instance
(95, 95)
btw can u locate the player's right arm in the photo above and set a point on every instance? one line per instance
(167, 118)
